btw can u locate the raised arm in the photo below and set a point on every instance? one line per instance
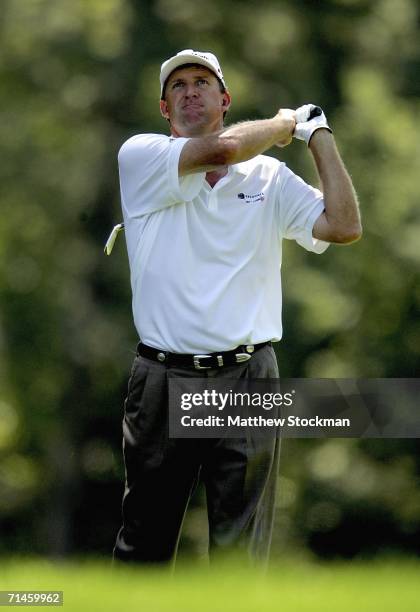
(340, 222)
(236, 143)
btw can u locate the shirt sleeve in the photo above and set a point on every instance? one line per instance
(149, 180)
(299, 206)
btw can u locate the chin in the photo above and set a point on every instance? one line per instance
(194, 116)
(194, 124)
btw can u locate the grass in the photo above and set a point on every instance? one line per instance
(91, 586)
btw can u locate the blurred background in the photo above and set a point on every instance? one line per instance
(77, 79)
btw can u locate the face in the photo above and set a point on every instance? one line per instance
(194, 103)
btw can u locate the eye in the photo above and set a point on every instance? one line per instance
(202, 81)
(177, 84)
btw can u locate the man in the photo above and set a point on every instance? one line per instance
(205, 214)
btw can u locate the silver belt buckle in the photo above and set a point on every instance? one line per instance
(241, 357)
(196, 360)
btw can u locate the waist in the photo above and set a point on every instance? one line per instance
(236, 356)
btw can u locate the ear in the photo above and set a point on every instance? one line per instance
(164, 109)
(226, 100)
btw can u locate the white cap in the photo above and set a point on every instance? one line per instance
(188, 56)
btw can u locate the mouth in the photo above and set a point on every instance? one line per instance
(193, 105)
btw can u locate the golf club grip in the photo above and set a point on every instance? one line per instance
(315, 112)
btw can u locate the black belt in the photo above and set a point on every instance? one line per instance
(201, 362)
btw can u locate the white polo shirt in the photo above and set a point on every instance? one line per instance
(205, 263)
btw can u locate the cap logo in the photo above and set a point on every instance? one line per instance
(206, 57)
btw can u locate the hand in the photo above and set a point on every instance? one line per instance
(305, 126)
(287, 117)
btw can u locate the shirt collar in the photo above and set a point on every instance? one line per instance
(238, 168)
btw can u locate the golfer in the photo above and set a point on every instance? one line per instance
(205, 214)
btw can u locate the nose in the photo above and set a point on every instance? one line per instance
(190, 90)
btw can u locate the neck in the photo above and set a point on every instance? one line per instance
(195, 131)
(215, 175)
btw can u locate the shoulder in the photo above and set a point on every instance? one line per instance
(141, 142)
(263, 165)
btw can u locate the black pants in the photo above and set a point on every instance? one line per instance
(161, 473)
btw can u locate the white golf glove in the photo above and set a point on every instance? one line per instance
(306, 126)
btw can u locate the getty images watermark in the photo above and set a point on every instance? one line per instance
(212, 408)
(215, 399)
(237, 400)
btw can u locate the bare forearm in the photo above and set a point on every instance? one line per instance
(251, 138)
(236, 143)
(341, 221)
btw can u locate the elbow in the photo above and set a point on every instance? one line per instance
(348, 235)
